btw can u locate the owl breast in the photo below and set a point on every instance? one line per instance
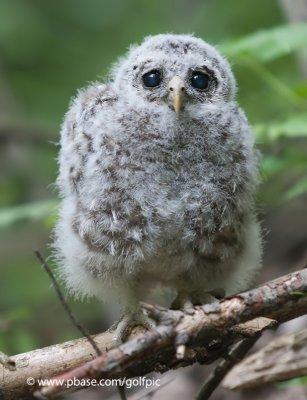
(146, 183)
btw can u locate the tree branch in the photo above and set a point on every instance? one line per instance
(7, 362)
(261, 367)
(206, 333)
(216, 376)
(236, 354)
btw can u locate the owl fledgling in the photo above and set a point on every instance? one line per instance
(157, 178)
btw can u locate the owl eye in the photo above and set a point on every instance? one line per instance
(152, 78)
(199, 80)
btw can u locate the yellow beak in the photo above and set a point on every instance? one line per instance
(176, 93)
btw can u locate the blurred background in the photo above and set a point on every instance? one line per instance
(49, 49)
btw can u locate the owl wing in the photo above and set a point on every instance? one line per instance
(221, 211)
(92, 163)
(78, 134)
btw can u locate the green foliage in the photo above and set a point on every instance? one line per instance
(268, 45)
(252, 52)
(33, 211)
(293, 382)
(293, 127)
(297, 189)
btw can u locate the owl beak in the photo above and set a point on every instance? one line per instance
(176, 93)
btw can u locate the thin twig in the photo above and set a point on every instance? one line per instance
(76, 323)
(65, 305)
(236, 354)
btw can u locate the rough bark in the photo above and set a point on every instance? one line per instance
(59, 358)
(205, 333)
(47, 362)
(283, 358)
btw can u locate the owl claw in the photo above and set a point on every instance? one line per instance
(128, 322)
(186, 302)
(187, 307)
(182, 302)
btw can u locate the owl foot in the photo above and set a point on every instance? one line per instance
(127, 322)
(186, 302)
(123, 328)
(183, 301)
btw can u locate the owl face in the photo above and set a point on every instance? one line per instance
(175, 71)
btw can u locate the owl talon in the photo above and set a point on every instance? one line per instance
(187, 302)
(188, 307)
(182, 302)
(128, 322)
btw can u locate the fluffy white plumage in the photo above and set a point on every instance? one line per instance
(150, 196)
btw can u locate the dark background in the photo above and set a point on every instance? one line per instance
(48, 49)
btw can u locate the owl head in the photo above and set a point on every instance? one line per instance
(174, 71)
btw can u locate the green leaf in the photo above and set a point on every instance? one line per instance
(301, 90)
(271, 165)
(294, 126)
(269, 44)
(299, 188)
(24, 340)
(300, 381)
(33, 211)
(21, 313)
(299, 294)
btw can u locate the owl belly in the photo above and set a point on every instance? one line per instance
(156, 213)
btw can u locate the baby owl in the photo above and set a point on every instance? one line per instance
(157, 175)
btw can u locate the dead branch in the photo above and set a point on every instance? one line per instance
(216, 376)
(283, 358)
(206, 334)
(175, 328)
(47, 362)
(236, 354)
(59, 358)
